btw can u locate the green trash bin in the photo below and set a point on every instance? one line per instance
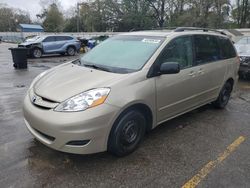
(19, 56)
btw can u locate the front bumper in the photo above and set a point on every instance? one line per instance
(57, 129)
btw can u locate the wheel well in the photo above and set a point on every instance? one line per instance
(37, 47)
(71, 46)
(144, 109)
(231, 81)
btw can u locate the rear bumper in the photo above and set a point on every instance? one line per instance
(57, 129)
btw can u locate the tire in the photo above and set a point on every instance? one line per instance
(71, 51)
(37, 53)
(127, 133)
(224, 96)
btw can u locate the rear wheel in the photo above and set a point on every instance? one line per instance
(37, 53)
(224, 96)
(127, 133)
(71, 51)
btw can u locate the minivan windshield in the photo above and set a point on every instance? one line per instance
(244, 40)
(122, 54)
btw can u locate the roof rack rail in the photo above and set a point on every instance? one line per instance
(181, 29)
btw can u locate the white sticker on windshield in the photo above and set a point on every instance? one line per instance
(154, 41)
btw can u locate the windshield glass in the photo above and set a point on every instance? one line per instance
(244, 40)
(122, 54)
(32, 39)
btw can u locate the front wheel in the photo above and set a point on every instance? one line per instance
(224, 96)
(71, 51)
(127, 133)
(37, 53)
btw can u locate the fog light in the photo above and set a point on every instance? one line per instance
(78, 142)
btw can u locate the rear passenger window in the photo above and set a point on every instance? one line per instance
(206, 49)
(227, 49)
(179, 50)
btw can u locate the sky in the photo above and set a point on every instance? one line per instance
(34, 7)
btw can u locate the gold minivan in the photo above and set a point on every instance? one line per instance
(127, 85)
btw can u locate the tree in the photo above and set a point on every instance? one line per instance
(10, 18)
(241, 13)
(53, 19)
(159, 8)
(70, 24)
(135, 15)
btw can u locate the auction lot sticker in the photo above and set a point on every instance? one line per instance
(154, 41)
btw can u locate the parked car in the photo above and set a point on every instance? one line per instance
(58, 44)
(243, 49)
(127, 85)
(96, 40)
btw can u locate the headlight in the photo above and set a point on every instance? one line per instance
(84, 100)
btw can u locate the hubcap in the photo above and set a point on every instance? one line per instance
(37, 53)
(71, 51)
(129, 132)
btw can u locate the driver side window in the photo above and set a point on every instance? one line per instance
(179, 50)
(49, 39)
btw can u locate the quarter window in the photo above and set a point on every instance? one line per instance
(206, 49)
(227, 49)
(180, 51)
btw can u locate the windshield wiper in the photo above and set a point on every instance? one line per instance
(97, 67)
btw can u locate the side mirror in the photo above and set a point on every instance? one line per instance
(170, 68)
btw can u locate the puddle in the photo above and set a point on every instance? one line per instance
(41, 66)
(20, 86)
(245, 97)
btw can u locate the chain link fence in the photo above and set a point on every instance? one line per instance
(18, 37)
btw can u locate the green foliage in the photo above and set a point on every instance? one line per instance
(10, 18)
(241, 13)
(70, 24)
(127, 15)
(54, 21)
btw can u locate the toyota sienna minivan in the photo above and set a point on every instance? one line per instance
(129, 84)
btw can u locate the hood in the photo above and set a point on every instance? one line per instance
(68, 80)
(243, 49)
(28, 43)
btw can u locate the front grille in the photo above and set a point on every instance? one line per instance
(42, 107)
(244, 60)
(50, 138)
(48, 100)
(42, 102)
